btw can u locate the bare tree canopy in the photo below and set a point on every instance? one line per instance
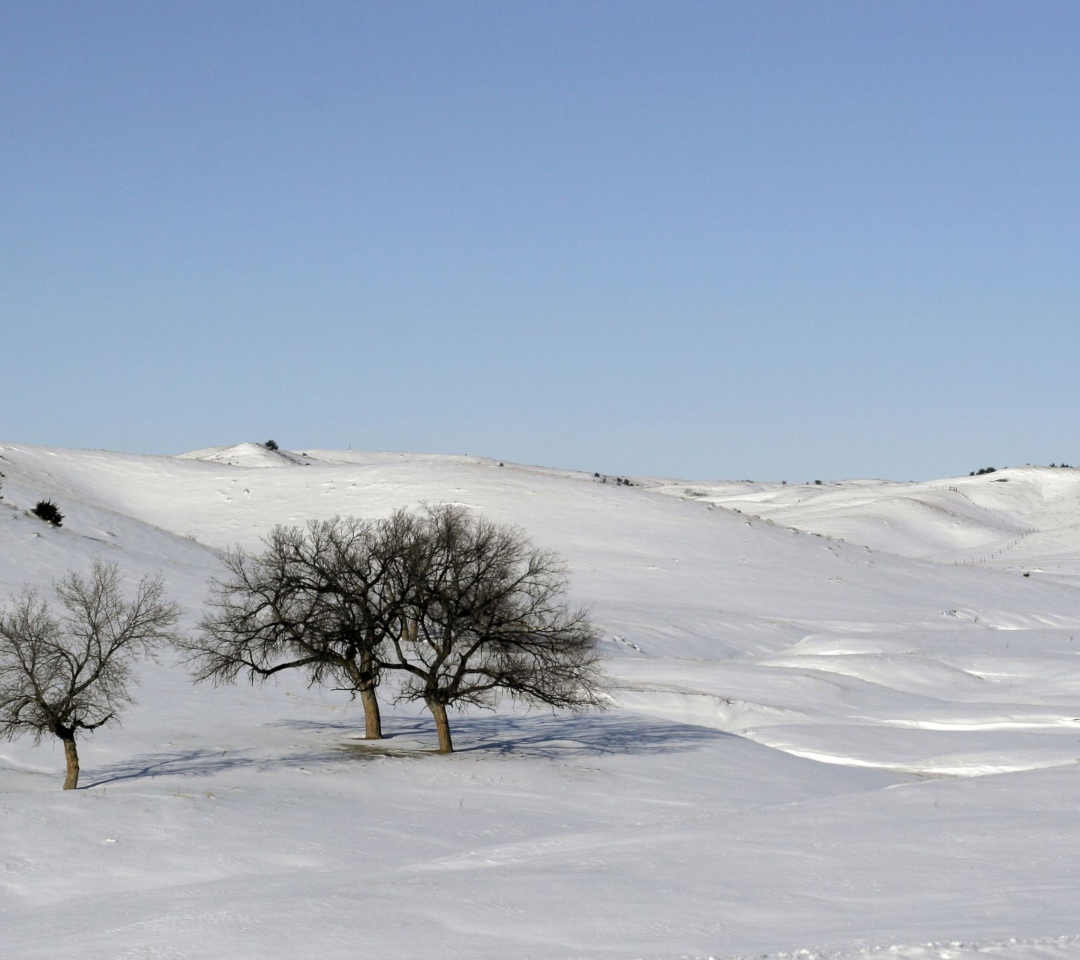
(459, 609)
(487, 618)
(319, 598)
(61, 673)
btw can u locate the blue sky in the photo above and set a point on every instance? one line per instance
(760, 239)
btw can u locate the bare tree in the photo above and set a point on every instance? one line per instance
(460, 609)
(318, 599)
(487, 618)
(63, 673)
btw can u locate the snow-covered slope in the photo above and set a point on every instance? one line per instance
(1023, 518)
(754, 630)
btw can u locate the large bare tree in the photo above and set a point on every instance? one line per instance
(486, 618)
(62, 673)
(318, 599)
(458, 609)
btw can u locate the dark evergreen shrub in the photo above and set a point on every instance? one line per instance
(271, 445)
(49, 512)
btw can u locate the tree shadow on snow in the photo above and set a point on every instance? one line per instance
(536, 735)
(193, 763)
(528, 736)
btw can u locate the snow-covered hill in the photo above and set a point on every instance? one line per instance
(1025, 518)
(815, 683)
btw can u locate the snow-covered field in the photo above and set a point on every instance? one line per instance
(846, 725)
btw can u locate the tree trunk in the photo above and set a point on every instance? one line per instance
(364, 679)
(442, 725)
(71, 754)
(372, 717)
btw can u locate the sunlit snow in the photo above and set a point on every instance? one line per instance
(846, 724)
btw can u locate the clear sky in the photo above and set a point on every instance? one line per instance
(768, 240)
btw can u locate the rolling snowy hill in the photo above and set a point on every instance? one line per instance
(845, 720)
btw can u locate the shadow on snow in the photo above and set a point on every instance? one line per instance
(531, 736)
(536, 735)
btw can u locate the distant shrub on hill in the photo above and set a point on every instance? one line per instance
(271, 445)
(984, 470)
(49, 512)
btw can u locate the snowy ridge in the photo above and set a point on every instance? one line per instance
(844, 716)
(963, 519)
(246, 455)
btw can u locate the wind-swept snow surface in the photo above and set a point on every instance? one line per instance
(847, 725)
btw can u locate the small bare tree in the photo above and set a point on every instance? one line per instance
(487, 618)
(63, 673)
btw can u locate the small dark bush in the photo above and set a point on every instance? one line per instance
(271, 445)
(49, 512)
(817, 483)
